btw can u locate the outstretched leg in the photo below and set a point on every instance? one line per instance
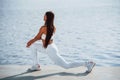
(52, 52)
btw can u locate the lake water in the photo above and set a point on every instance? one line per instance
(85, 29)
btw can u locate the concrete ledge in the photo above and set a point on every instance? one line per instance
(19, 72)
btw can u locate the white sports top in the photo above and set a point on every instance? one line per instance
(44, 36)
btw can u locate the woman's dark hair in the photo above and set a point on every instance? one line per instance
(50, 27)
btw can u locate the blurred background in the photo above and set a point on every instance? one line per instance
(86, 29)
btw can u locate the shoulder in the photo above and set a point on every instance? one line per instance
(42, 28)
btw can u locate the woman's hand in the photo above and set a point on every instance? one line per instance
(37, 37)
(29, 43)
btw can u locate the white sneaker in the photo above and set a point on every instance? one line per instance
(35, 68)
(90, 66)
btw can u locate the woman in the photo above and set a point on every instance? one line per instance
(43, 42)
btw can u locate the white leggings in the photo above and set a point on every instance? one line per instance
(54, 55)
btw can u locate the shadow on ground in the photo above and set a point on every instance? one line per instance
(20, 77)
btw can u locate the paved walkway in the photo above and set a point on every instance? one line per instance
(19, 72)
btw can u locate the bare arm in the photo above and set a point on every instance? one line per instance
(37, 37)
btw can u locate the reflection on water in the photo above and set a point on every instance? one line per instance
(85, 28)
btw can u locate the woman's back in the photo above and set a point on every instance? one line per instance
(44, 34)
